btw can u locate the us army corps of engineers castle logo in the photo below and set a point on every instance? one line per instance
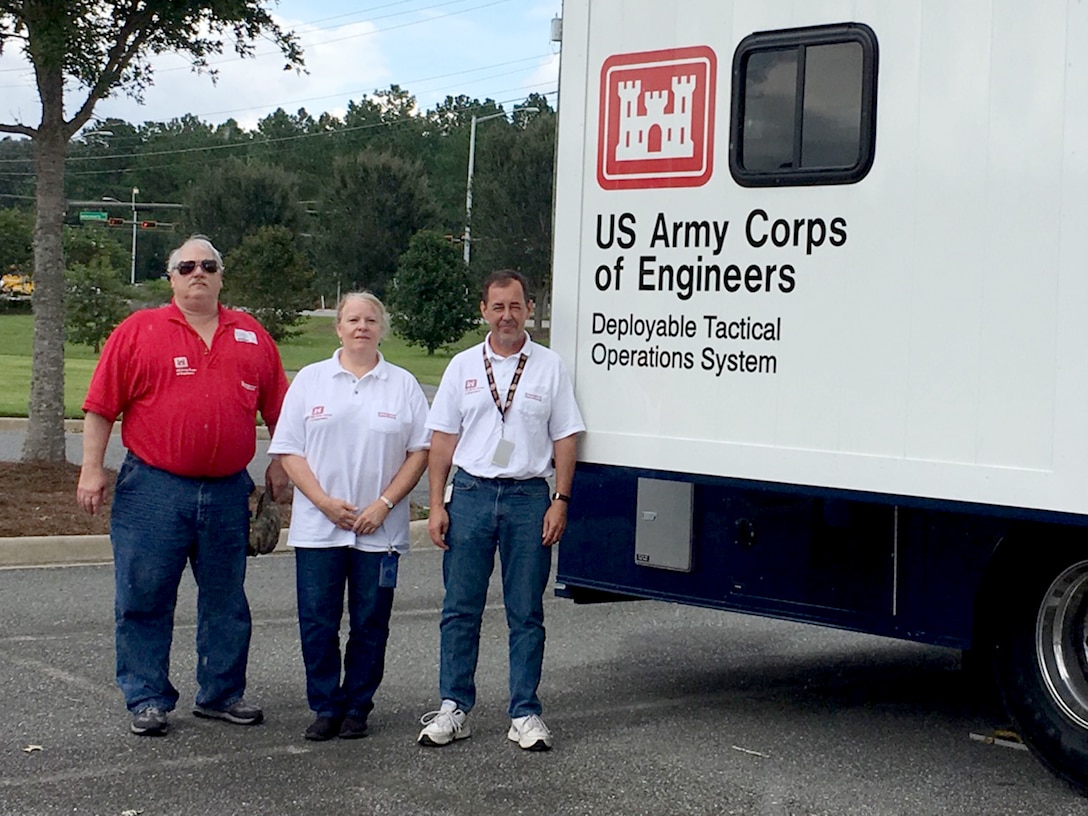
(656, 126)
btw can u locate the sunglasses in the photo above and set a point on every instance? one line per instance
(209, 265)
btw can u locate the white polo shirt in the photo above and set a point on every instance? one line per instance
(354, 434)
(543, 410)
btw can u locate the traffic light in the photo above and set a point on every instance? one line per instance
(148, 224)
(115, 222)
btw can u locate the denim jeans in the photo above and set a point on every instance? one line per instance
(486, 514)
(160, 522)
(320, 576)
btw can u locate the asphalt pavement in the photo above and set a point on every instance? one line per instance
(656, 709)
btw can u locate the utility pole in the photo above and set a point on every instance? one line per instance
(132, 276)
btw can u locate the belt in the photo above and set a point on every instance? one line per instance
(504, 479)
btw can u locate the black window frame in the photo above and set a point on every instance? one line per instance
(802, 39)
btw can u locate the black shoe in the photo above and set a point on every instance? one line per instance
(151, 722)
(239, 712)
(322, 728)
(353, 728)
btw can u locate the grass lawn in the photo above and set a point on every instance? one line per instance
(316, 342)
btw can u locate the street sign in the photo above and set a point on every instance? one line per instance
(92, 215)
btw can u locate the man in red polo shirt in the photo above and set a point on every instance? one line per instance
(189, 379)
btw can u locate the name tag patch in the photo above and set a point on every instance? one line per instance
(244, 336)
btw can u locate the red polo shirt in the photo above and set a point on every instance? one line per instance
(189, 409)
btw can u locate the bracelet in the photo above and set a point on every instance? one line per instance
(386, 502)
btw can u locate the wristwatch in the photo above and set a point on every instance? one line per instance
(386, 502)
(557, 496)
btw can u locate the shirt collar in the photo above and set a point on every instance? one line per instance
(526, 349)
(380, 371)
(227, 317)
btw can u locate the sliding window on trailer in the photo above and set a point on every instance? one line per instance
(804, 106)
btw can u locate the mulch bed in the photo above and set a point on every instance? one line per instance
(39, 499)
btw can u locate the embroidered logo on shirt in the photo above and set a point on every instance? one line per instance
(182, 368)
(386, 415)
(248, 387)
(472, 386)
(244, 336)
(536, 397)
(318, 412)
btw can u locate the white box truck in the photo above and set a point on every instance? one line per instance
(821, 281)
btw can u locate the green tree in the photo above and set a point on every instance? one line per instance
(372, 207)
(97, 301)
(445, 153)
(89, 245)
(100, 161)
(17, 156)
(170, 181)
(298, 144)
(237, 199)
(512, 199)
(430, 300)
(271, 277)
(99, 47)
(16, 241)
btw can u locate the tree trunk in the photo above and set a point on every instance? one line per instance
(45, 431)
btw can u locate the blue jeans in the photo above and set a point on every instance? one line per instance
(160, 522)
(320, 576)
(485, 515)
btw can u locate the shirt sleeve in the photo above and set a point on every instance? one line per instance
(109, 390)
(445, 414)
(290, 433)
(565, 418)
(419, 437)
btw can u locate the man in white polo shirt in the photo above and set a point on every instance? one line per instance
(503, 413)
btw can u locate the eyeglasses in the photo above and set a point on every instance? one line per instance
(209, 265)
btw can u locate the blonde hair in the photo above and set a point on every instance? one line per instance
(366, 297)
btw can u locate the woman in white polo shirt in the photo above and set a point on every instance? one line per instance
(351, 436)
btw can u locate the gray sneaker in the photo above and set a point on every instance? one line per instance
(150, 722)
(443, 727)
(530, 733)
(239, 713)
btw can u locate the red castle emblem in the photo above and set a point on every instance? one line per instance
(656, 126)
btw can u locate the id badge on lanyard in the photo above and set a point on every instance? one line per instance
(504, 448)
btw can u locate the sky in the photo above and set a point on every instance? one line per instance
(498, 49)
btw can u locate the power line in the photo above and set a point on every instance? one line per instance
(406, 84)
(142, 153)
(274, 105)
(437, 18)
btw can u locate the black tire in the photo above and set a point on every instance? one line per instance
(1040, 644)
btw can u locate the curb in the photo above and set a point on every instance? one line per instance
(18, 424)
(55, 551)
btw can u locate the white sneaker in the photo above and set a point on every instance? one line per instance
(530, 733)
(443, 727)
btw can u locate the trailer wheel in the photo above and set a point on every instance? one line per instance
(1041, 659)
